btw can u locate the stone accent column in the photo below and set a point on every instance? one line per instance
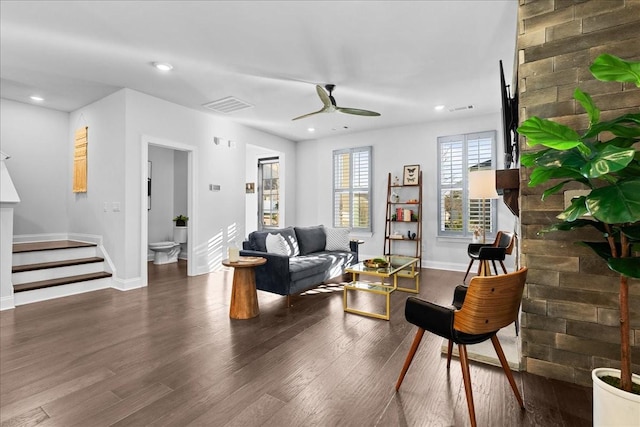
(570, 309)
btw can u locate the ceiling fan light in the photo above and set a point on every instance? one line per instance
(163, 66)
(439, 107)
(36, 98)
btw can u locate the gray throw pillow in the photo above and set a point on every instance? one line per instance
(311, 239)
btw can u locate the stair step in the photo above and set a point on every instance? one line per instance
(49, 245)
(54, 264)
(60, 281)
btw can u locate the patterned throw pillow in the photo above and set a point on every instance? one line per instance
(337, 239)
(276, 244)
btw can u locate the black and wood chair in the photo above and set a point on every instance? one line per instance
(490, 303)
(503, 245)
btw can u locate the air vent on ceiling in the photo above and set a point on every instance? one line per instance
(462, 108)
(227, 105)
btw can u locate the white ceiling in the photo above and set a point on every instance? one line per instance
(394, 57)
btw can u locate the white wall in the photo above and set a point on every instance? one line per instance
(37, 139)
(220, 216)
(101, 210)
(392, 149)
(162, 195)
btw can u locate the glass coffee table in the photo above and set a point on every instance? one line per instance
(399, 266)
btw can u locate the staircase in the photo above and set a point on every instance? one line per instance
(52, 269)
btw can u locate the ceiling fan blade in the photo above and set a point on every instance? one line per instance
(324, 110)
(324, 97)
(357, 111)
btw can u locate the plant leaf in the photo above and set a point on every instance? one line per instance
(617, 203)
(602, 249)
(587, 103)
(553, 190)
(611, 68)
(627, 125)
(629, 267)
(632, 232)
(610, 159)
(569, 159)
(541, 175)
(550, 134)
(577, 209)
(578, 223)
(528, 159)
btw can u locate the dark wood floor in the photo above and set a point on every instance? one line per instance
(170, 355)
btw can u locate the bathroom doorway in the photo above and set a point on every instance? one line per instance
(167, 192)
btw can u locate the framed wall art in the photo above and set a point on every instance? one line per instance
(410, 175)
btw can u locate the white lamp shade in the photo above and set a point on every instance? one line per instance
(482, 185)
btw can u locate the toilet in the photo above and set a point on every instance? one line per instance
(167, 252)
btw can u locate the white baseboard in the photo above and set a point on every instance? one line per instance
(26, 238)
(449, 266)
(7, 303)
(127, 284)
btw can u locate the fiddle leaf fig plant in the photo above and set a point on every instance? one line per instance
(605, 160)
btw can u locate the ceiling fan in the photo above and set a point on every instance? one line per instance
(330, 105)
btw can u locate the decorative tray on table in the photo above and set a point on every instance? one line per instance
(376, 263)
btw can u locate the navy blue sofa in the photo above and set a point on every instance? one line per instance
(309, 265)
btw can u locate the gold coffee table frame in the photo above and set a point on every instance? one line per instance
(399, 266)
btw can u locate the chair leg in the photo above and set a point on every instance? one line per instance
(495, 268)
(503, 267)
(505, 367)
(409, 359)
(468, 269)
(449, 349)
(466, 376)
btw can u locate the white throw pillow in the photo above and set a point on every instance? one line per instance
(276, 244)
(337, 239)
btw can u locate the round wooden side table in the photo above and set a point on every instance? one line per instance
(244, 297)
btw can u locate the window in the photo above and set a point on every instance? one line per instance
(268, 193)
(352, 188)
(458, 215)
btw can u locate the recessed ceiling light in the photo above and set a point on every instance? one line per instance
(163, 66)
(439, 107)
(311, 129)
(36, 98)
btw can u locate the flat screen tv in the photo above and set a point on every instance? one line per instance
(509, 122)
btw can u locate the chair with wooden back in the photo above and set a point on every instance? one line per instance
(490, 304)
(502, 245)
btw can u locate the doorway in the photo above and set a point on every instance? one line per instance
(191, 202)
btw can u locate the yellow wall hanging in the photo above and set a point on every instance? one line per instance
(80, 160)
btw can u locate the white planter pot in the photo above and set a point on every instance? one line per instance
(612, 406)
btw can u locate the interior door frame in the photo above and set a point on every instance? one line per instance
(192, 209)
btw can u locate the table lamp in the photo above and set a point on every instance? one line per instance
(482, 185)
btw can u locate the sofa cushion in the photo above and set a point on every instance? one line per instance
(337, 239)
(304, 266)
(257, 240)
(311, 239)
(276, 244)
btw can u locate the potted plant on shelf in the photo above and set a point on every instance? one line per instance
(605, 160)
(181, 220)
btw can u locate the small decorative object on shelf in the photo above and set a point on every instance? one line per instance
(395, 198)
(396, 181)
